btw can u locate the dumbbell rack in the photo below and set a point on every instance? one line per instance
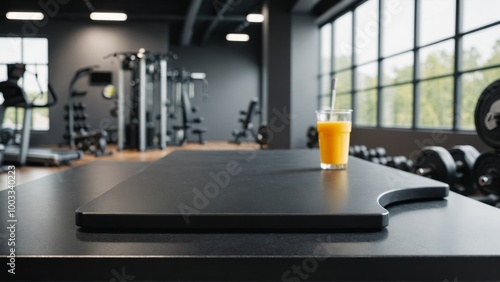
(379, 155)
(463, 167)
(75, 117)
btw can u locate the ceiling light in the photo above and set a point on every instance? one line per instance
(241, 37)
(255, 18)
(29, 16)
(98, 16)
(198, 75)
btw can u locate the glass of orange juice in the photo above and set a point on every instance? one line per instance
(334, 129)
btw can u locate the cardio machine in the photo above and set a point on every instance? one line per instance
(14, 96)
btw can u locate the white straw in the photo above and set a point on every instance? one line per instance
(334, 91)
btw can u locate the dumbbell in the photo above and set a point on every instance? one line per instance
(312, 137)
(379, 160)
(405, 164)
(401, 163)
(79, 106)
(453, 167)
(377, 152)
(490, 199)
(362, 152)
(81, 125)
(486, 173)
(356, 151)
(81, 116)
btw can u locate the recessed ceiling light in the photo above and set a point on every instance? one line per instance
(198, 75)
(255, 18)
(241, 37)
(28, 16)
(99, 16)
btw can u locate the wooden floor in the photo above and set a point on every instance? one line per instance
(29, 173)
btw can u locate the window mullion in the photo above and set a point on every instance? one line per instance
(416, 66)
(332, 60)
(457, 66)
(379, 66)
(353, 67)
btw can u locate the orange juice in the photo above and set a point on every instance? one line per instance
(334, 141)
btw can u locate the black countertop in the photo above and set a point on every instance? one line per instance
(455, 239)
(255, 190)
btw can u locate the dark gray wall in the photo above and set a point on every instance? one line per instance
(305, 64)
(277, 62)
(290, 73)
(233, 70)
(73, 45)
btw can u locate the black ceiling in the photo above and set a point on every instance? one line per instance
(171, 11)
(175, 12)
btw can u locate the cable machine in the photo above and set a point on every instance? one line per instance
(142, 115)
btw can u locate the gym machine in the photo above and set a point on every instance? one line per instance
(263, 133)
(142, 116)
(246, 122)
(182, 82)
(77, 134)
(14, 96)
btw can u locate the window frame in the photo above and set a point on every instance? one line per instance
(456, 74)
(4, 65)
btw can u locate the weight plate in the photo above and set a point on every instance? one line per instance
(465, 156)
(486, 173)
(486, 116)
(437, 163)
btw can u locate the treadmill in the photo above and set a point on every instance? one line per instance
(14, 96)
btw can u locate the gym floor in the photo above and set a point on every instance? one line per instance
(29, 173)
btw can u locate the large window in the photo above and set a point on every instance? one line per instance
(411, 63)
(34, 53)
